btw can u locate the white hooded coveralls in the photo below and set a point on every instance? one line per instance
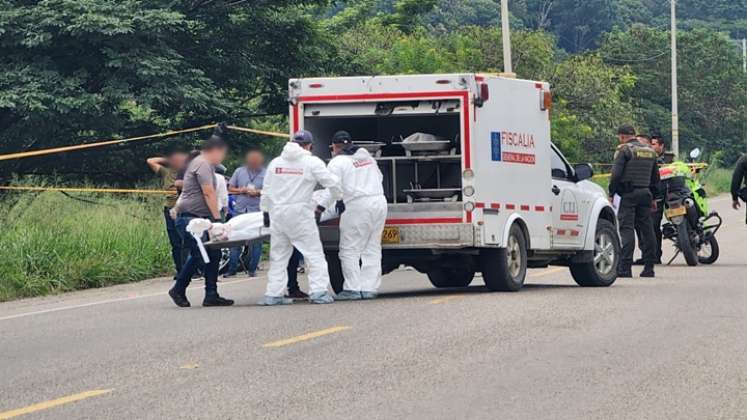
(287, 192)
(362, 223)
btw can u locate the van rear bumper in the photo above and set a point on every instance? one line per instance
(417, 236)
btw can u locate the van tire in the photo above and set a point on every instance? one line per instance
(602, 273)
(334, 266)
(450, 277)
(499, 275)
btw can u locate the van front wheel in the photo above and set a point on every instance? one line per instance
(601, 271)
(505, 269)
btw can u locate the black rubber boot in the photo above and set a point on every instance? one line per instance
(215, 300)
(648, 271)
(179, 299)
(624, 272)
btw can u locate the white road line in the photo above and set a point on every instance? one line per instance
(107, 301)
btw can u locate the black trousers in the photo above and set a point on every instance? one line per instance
(293, 271)
(656, 217)
(635, 213)
(175, 240)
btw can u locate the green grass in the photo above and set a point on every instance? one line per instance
(50, 243)
(717, 180)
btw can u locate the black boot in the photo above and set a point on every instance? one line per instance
(648, 271)
(624, 272)
(179, 299)
(215, 300)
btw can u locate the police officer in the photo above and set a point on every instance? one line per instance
(657, 214)
(634, 177)
(660, 147)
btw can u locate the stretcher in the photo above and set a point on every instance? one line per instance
(240, 231)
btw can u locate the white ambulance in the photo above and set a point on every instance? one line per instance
(473, 181)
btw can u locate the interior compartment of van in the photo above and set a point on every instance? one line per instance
(417, 144)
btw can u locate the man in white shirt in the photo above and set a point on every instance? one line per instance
(363, 215)
(288, 187)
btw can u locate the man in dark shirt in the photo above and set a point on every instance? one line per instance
(738, 180)
(199, 200)
(634, 177)
(660, 147)
(167, 168)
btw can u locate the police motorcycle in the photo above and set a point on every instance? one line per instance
(690, 223)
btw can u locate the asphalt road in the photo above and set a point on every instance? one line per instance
(670, 348)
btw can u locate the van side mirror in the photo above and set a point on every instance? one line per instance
(583, 172)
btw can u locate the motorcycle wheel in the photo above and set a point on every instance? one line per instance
(685, 244)
(709, 251)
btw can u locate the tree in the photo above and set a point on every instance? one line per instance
(713, 89)
(77, 70)
(597, 96)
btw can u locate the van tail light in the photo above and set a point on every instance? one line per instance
(546, 100)
(484, 94)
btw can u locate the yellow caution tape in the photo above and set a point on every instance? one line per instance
(54, 150)
(86, 190)
(42, 152)
(263, 133)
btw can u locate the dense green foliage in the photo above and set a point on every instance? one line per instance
(78, 70)
(75, 71)
(51, 243)
(608, 61)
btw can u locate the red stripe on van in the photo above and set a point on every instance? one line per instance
(539, 209)
(435, 220)
(375, 96)
(296, 119)
(510, 207)
(525, 208)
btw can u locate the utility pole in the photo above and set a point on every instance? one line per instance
(675, 105)
(506, 36)
(744, 54)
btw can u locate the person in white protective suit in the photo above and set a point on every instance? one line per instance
(289, 184)
(363, 215)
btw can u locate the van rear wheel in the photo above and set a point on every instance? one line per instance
(601, 271)
(450, 277)
(505, 269)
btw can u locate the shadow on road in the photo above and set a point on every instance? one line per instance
(473, 290)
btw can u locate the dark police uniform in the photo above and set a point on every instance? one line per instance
(635, 178)
(658, 214)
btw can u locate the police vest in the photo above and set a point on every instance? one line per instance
(639, 168)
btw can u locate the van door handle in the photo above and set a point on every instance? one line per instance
(555, 190)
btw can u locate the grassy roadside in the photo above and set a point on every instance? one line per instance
(51, 243)
(716, 180)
